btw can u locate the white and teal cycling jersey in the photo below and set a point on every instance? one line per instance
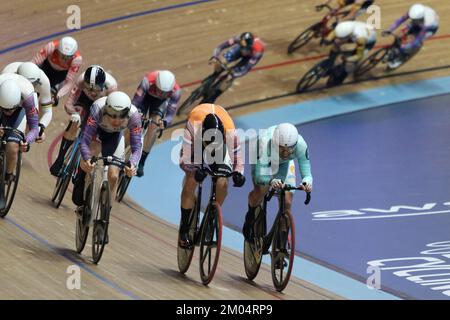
(269, 165)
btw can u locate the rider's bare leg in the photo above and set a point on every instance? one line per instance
(149, 141)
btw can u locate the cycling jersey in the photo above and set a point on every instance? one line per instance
(148, 98)
(80, 93)
(269, 164)
(247, 62)
(57, 70)
(98, 125)
(43, 90)
(29, 103)
(192, 147)
(421, 32)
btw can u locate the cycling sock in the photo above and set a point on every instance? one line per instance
(185, 215)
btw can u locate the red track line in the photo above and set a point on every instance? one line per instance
(52, 148)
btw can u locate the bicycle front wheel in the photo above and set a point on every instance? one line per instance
(124, 182)
(303, 38)
(188, 104)
(101, 222)
(82, 225)
(210, 242)
(253, 248)
(312, 76)
(370, 62)
(10, 187)
(283, 252)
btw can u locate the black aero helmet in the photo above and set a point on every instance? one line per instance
(212, 126)
(247, 39)
(95, 76)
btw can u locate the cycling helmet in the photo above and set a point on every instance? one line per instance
(212, 127)
(30, 71)
(10, 95)
(285, 135)
(417, 12)
(344, 29)
(117, 105)
(68, 46)
(165, 81)
(95, 77)
(246, 40)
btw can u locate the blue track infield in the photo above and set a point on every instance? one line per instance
(375, 159)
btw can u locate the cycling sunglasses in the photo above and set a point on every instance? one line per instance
(117, 114)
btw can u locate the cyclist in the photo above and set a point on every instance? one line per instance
(209, 139)
(423, 23)
(158, 95)
(246, 48)
(61, 61)
(41, 85)
(355, 39)
(275, 151)
(103, 133)
(18, 108)
(91, 85)
(355, 7)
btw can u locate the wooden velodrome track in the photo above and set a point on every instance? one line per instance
(37, 241)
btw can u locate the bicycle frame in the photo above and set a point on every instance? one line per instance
(91, 179)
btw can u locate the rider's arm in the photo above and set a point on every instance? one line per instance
(140, 93)
(417, 43)
(301, 153)
(397, 23)
(74, 94)
(71, 76)
(224, 45)
(234, 149)
(134, 125)
(172, 104)
(189, 161)
(90, 129)
(30, 104)
(44, 53)
(45, 100)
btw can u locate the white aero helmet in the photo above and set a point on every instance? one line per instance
(68, 46)
(30, 71)
(118, 104)
(285, 135)
(344, 29)
(416, 12)
(10, 94)
(165, 81)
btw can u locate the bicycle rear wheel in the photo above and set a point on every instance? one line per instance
(101, 222)
(124, 182)
(370, 62)
(253, 248)
(303, 38)
(82, 224)
(184, 255)
(210, 242)
(10, 187)
(312, 76)
(283, 252)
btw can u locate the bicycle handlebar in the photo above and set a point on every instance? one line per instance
(219, 175)
(95, 159)
(287, 187)
(222, 65)
(321, 6)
